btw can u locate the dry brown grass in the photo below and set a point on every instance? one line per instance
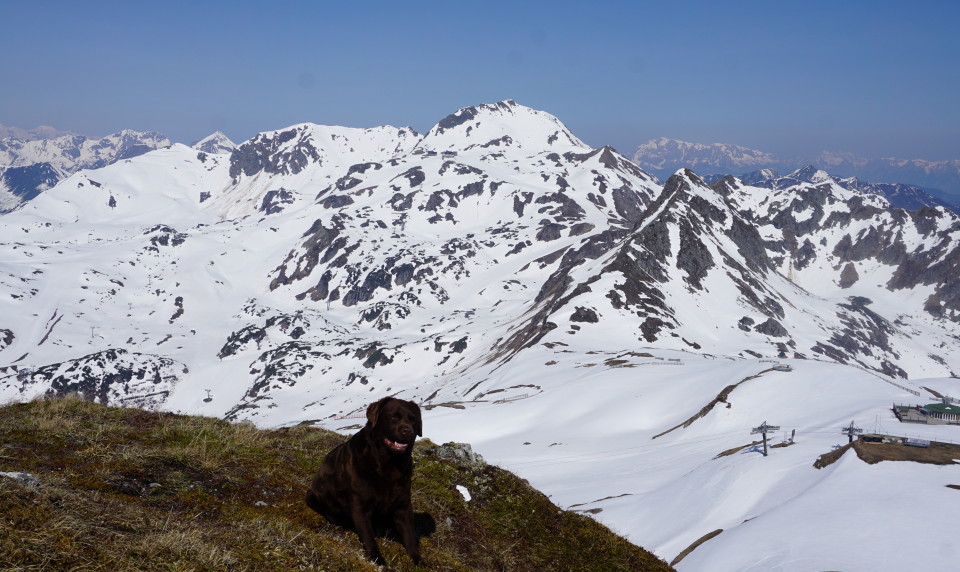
(722, 397)
(696, 543)
(872, 453)
(935, 454)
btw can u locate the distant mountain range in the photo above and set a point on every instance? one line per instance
(41, 132)
(663, 157)
(35, 160)
(74, 152)
(899, 195)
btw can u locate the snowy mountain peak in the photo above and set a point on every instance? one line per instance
(490, 127)
(811, 174)
(215, 143)
(74, 152)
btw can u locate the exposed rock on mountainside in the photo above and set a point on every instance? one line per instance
(899, 195)
(313, 265)
(112, 376)
(854, 229)
(290, 151)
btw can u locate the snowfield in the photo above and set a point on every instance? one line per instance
(588, 441)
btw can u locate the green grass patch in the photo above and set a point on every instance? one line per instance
(125, 489)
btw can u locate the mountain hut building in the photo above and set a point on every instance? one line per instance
(944, 413)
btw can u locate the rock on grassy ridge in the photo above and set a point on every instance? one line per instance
(127, 489)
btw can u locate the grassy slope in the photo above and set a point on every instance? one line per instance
(125, 489)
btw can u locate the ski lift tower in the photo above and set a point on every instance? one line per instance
(765, 429)
(851, 431)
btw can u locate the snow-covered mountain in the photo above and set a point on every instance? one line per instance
(74, 152)
(216, 142)
(30, 165)
(544, 300)
(899, 195)
(21, 184)
(41, 132)
(663, 156)
(943, 175)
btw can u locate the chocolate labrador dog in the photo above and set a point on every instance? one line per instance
(364, 484)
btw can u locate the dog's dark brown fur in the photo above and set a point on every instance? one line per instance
(364, 483)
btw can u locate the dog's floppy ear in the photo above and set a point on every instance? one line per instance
(373, 411)
(419, 424)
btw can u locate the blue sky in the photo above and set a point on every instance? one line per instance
(876, 78)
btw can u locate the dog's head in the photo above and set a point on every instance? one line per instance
(395, 423)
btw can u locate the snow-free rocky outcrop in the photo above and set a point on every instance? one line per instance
(311, 267)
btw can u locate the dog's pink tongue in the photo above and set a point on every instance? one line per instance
(394, 445)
